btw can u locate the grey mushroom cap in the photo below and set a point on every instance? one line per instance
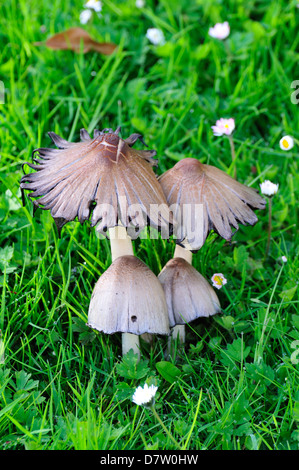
(128, 298)
(101, 178)
(204, 198)
(188, 294)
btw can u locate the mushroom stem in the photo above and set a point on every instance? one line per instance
(181, 252)
(130, 341)
(178, 331)
(121, 244)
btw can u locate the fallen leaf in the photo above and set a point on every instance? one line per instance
(72, 39)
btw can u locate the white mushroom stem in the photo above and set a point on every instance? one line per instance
(130, 341)
(178, 331)
(121, 245)
(181, 252)
(120, 242)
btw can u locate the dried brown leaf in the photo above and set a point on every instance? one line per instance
(75, 38)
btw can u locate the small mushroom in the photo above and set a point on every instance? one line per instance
(178, 330)
(128, 298)
(188, 295)
(204, 198)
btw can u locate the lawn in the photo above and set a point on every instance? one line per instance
(234, 384)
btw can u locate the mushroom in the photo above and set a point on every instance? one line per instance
(188, 294)
(128, 298)
(102, 177)
(203, 198)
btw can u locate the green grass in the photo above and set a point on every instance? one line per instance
(62, 386)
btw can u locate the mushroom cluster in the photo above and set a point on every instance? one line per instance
(105, 180)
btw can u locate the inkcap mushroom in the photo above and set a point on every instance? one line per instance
(203, 198)
(188, 295)
(128, 298)
(102, 179)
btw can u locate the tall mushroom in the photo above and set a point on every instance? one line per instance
(204, 198)
(103, 177)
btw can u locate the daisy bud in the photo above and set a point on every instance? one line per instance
(155, 36)
(85, 16)
(220, 30)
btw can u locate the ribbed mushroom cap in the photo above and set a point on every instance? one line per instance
(188, 294)
(102, 175)
(225, 202)
(128, 298)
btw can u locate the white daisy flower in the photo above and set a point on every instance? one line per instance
(140, 3)
(95, 5)
(224, 126)
(155, 36)
(284, 259)
(145, 396)
(220, 30)
(218, 280)
(286, 143)
(268, 188)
